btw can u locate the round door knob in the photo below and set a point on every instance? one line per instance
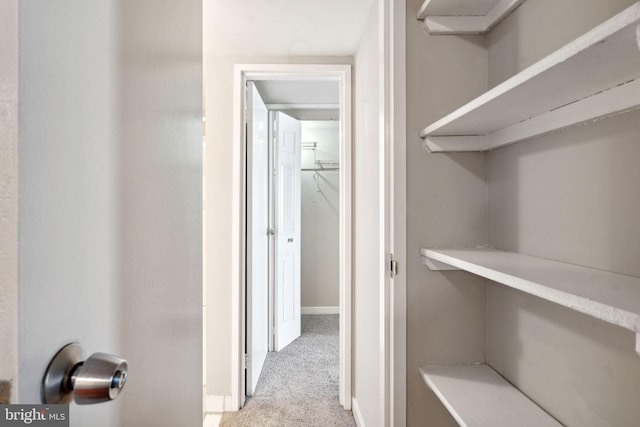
(99, 378)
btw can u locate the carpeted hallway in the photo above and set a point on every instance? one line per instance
(298, 385)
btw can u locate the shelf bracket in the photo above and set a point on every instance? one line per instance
(437, 265)
(447, 144)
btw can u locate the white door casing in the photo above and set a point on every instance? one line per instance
(247, 72)
(287, 253)
(257, 237)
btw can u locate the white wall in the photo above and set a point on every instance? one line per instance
(571, 196)
(446, 207)
(160, 112)
(218, 175)
(109, 199)
(368, 243)
(320, 215)
(8, 193)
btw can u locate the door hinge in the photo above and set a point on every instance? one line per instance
(271, 232)
(393, 266)
(246, 361)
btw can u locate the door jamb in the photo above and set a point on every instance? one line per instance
(242, 73)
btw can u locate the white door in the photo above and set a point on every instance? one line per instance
(287, 256)
(110, 201)
(257, 237)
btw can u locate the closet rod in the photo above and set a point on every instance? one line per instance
(318, 169)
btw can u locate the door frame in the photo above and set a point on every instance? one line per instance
(242, 73)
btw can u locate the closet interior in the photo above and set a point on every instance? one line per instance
(523, 206)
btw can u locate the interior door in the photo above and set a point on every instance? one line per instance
(287, 257)
(110, 201)
(257, 237)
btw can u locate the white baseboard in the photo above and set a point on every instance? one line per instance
(356, 413)
(218, 404)
(320, 310)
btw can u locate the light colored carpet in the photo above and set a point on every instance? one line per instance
(299, 384)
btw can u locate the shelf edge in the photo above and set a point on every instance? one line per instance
(607, 103)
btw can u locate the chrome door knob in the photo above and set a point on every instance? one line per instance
(99, 378)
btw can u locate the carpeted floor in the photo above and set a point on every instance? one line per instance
(299, 384)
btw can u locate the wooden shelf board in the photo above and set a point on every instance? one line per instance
(612, 297)
(555, 92)
(477, 396)
(464, 17)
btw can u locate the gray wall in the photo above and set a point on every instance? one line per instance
(320, 215)
(571, 196)
(446, 206)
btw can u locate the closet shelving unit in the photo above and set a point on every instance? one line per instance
(594, 77)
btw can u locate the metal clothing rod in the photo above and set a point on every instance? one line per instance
(327, 162)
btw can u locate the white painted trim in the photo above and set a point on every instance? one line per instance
(341, 73)
(345, 239)
(219, 404)
(303, 106)
(212, 420)
(398, 201)
(237, 235)
(357, 416)
(320, 310)
(384, 196)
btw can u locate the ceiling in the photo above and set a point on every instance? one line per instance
(283, 27)
(320, 99)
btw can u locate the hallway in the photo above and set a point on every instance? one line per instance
(299, 384)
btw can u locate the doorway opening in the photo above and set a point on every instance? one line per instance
(301, 147)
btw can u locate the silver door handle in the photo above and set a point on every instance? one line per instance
(99, 378)
(290, 240)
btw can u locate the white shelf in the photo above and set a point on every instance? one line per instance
(595, 76)
(477, 396)
(465, 16)
(612, 297)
